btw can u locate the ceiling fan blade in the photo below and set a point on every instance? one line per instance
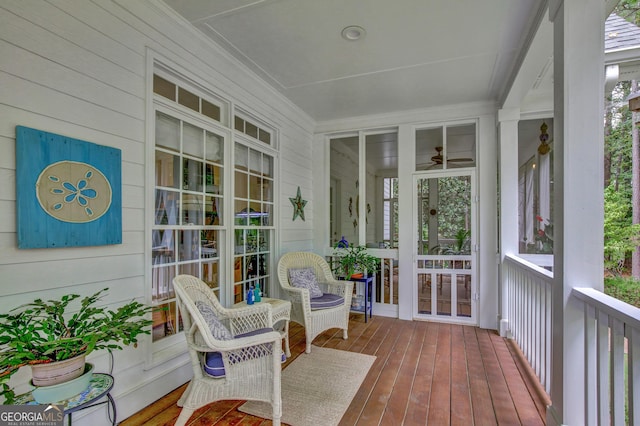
(461, 160)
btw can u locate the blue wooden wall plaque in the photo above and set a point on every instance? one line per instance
(68, 191)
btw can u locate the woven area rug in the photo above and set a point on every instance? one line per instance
(317, 388)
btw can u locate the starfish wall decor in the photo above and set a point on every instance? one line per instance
(298, 205)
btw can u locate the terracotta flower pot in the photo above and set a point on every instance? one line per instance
(57, 372)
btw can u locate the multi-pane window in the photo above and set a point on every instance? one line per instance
(253, 220)
(186, 98)
(190, 234)
(188, 213)
(258, 132)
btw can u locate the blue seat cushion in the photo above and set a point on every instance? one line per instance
(212, 364)
(327, 300)
(212, 361)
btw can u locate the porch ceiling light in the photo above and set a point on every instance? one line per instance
(353, 33)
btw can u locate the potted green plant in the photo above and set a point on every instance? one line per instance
(354, 259)
(43, 332)
(461, 244)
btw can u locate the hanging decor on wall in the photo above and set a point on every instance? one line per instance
(68, 191)
(298, 205)
(544, 147)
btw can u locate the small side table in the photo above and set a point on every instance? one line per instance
(368, 291)
(100, 386)
(281, 311)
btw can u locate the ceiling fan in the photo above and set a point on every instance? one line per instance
(438, 159)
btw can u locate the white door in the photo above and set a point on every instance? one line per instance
(445, 258)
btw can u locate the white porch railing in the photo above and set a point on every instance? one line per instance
(611, 344)
(528, 293)
(612, 328)
(387, 284)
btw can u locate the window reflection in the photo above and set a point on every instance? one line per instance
(167, 169)
(189, 245)
(213, 210)
(192, 175)
(163, 246)
(192, 209)
(253, 207)
(167, 207)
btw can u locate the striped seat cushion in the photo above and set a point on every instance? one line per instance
(305, 278)
(218, 329)
(327, 300)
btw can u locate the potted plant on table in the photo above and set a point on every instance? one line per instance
(43, 333)
(353, 261)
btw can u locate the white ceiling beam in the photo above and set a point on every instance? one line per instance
(534, 67)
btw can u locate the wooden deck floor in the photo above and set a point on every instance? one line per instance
(425, 373)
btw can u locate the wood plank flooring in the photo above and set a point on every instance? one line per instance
(424, 373)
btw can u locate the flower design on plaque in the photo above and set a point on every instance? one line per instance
(74, 192)
(68, 191)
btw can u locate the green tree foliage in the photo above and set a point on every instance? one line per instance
(617, 145)
(629, 10)
(453, 212)
(454, 195)
(626, 289)
(620, 236)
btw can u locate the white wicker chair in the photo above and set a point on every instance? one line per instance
(318, 320)
(252, 364)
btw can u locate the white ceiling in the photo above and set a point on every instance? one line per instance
(415, 53)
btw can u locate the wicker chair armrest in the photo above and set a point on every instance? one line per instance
(249, 318)
(200, 344)
(246, 341)
(297, 295)
(341, 288)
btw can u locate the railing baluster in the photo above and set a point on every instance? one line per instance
(528, 322)
(529, 313)
(615, 321)
(547, 359)
(590, 337)
(602, 370)
(633, 373)
(617, 372)
(536, 329)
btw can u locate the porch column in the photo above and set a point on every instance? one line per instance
(578, 27)
(508, 144)
(406, 237)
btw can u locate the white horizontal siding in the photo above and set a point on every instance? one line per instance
(43, 39)
(11, 116)
(68, 272)
(78, 68)
(33, 96)
(28, 66)
(10, 254)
